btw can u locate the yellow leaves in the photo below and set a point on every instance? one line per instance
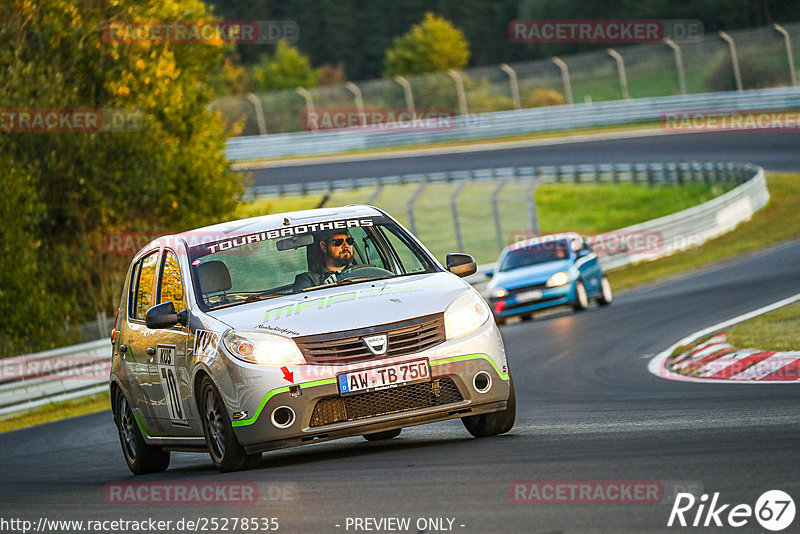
(147, 81)
(140, 64)
(174, 204)
(123, 91)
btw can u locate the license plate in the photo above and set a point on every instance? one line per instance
(535, 294)
(388, 376)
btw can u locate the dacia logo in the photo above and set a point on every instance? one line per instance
(377, 345)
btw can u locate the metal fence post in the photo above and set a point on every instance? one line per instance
(623, 77)
(302, 91)
(678, 64)
(456, 221)
(734, 59)
(533, 216)
(262, 126)
(353, 88)
(562, 66)
(512, 81)
(462, 97)
(789, 56)
(496, 214)
(407, 92)
(412, 222)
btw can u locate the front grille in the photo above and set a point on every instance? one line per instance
(346, 347)
(438, 392)
(517, 290)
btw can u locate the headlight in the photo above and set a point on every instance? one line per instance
(466, 314)
(559, 279)
(497, 293)
(263, 349)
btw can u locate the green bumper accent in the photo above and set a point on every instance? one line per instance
(140, 422)
(284, 389)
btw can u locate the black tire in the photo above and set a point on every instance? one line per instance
(140, 457)
(225, 450)
(581, 298)
(380, 436)
(492, 424)
(606, 295)
(526, 316)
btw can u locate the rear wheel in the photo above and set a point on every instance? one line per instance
(606, 295)
(225, 450)
(581, 299)
(140, 457)
(492, 424)
(380, 436)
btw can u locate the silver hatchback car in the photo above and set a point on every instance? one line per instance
(297, 328)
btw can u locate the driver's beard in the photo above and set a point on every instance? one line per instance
(342, 261)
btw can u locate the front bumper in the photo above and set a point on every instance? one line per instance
(320, 413)
(551, 296)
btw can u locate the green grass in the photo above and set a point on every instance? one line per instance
(776, 330)
(56, 411)
(778, 221)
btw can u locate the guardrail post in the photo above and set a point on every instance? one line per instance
(734, 59)
(353, 88)
(496, 213)
(462, 97)
(789, 56)
(412, 201)
(407, 92)
(262, 125)
(454, 209)
(623, 78)
(678, 64)
(562, 66)
(302, 91)
(512, 81)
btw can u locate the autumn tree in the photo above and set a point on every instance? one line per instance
(433, 45)
(287, 68)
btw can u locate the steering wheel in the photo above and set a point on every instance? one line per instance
(366, 271)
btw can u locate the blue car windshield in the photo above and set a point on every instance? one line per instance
(533, 255)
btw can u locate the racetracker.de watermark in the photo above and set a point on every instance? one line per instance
(603, 31)
(600, 491)
(70, 120)
(614, 242)
(129, 243)
(730, 120)
(203, 493)
(201, 32)
(56, 368)
(378, 119)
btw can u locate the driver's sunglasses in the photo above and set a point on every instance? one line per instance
(339, 240)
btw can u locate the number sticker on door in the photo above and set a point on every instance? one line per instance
(167, 375)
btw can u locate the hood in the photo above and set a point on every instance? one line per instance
(530, 275)
(347, 307)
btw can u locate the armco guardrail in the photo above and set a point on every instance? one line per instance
(505, 123)
(70, 372)
(681, 230)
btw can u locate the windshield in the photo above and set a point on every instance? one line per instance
(534, 254)
(296, 259)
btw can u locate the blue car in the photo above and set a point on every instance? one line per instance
(546, 271)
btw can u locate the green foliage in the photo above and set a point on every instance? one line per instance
(756, 71)
(287, 68)
(433, 45)
(73, 188)
(541, 97)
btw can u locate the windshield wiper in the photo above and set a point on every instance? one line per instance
(347, 281)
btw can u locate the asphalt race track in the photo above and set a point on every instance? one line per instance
(588, 410)
(771, 150)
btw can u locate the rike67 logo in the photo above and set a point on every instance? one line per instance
(774, 510)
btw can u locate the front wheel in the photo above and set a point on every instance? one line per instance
(225, 450)
(140, 457)
(606, 296)
(581, 299)
(492, 424)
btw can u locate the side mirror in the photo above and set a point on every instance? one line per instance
(164, 316)
(489, 273)
(461, 264)
(583, 252)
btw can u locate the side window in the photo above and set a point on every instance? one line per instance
(171, 289)
(145, 286)
(409, 262)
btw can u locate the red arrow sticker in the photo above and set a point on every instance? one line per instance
(288, 375)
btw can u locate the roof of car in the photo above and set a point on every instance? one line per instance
(251, 225)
